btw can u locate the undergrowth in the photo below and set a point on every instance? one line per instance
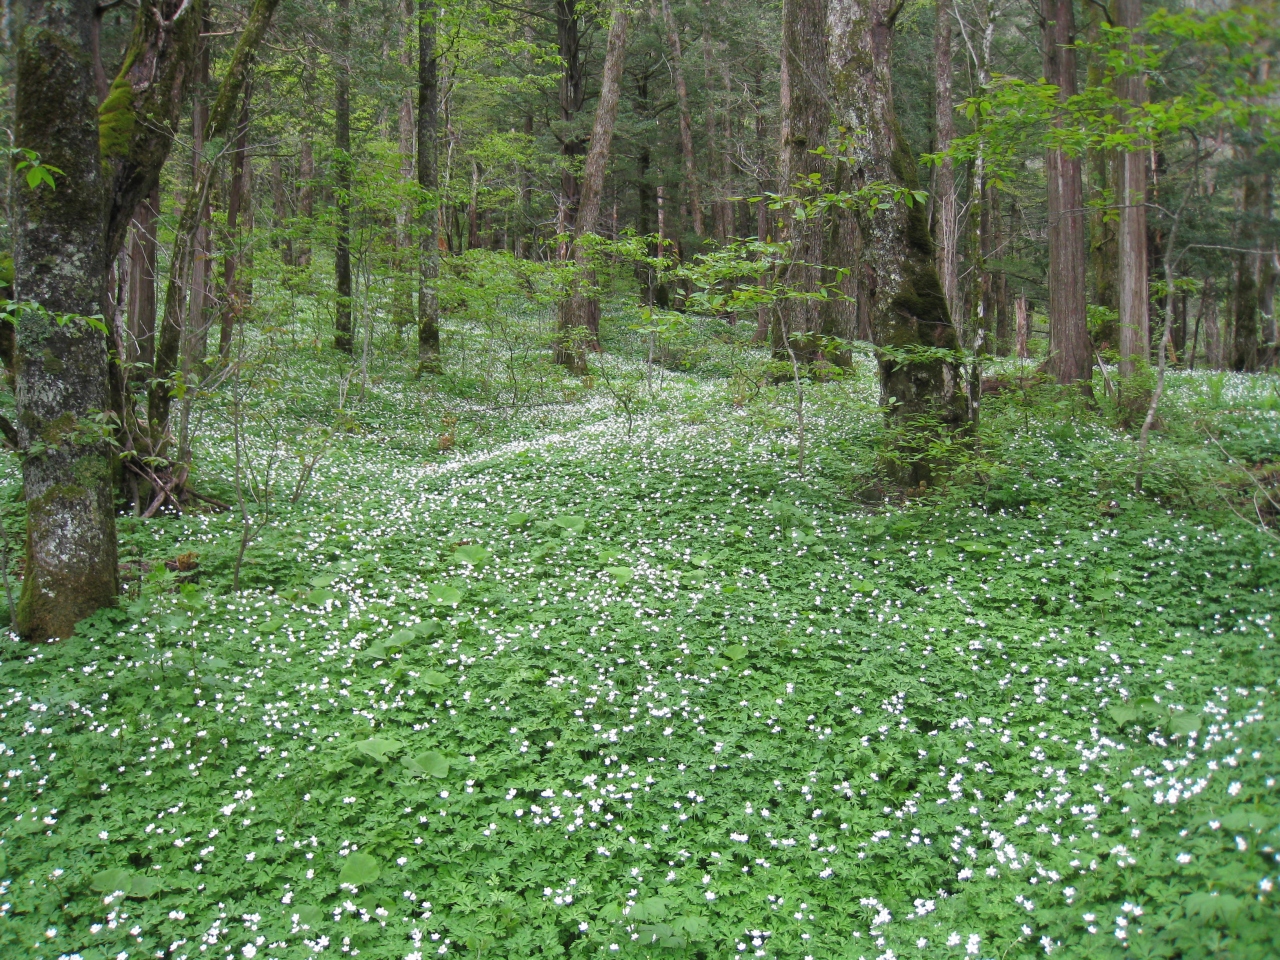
(594, 682)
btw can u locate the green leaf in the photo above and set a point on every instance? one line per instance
(735, 652)
(620, 575)
(375, 651)
(442, 594)
(317, 598)
(570, 524)
(403, 637)
(434, 678)
(427, 628)
(429, 764)
(1185, 723)
(471, 554)
(23, 825)
(144, 887)
(378, 748)
(1212, 906)
(517, 520)
(1123, 714)
(309, 916)
(113, 881)
(360, 869)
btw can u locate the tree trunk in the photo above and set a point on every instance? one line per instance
(428, 191)
(233, 309)
(169, 337)
(948, 218)
(1135, 333)
(306, 203)
(60, 262)
(580, 313)
(402, 307)
(1022, 325)
(572, 95)
(805, 120)
(139, 117)
(1070, 351)
(1105, 173)
(693, 192)
(896, 275)
(142, 282)
(342, 339)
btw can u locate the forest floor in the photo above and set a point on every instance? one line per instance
(550, 679)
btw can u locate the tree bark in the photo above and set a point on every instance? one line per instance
(342, 338)
(428, 190)
(896, 275)
(1135, 333)
(306, 202)
(693, 192)
(233, 309)
(805, 121)
(948, 218)
(1070, 351)
(169, 337)
(1022, 327)
(572, 95)
(139, 117)
(142, 282)
(60, 262)
(581, 311)
(402, 308)
(1104, 175)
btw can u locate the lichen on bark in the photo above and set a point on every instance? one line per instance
(61, 367)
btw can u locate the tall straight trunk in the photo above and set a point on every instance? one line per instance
(402, 308)
(60, 262)
(948, 218)
(988, 216)
(1104, 173)
(169, 337)
(233, 308)
(693, 193)
(572, 95)
(1070, 351)
(142, 282)
(342, 330)
(896, 274)
(306, 202)
(805, 121)
(717, 148)
(280, 211)
(428, 190)
(197, 301)
(1135, 333)
(580, 313)
(1244, 335)
(1022, 325)
(244, 274)
(999, 279)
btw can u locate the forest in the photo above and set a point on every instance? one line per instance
(639, 478)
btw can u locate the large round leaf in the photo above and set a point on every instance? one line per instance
(360, 869)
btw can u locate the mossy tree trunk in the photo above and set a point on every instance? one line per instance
(60, 263)
(897, 281)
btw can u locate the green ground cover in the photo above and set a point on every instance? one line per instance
(570, 685)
